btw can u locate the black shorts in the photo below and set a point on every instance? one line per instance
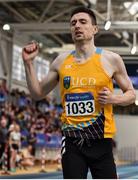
(15, 147)
(95, 155)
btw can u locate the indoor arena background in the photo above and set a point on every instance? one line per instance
(38, 122)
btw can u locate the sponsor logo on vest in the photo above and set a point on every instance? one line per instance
(83, 81)
(78, 81)
(66, 82)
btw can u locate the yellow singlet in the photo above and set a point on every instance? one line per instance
(79, 87)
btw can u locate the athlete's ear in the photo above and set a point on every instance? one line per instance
(96, 29)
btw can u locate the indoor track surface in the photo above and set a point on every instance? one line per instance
(124, 172)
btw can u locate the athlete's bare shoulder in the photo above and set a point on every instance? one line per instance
(110, 61)
(112, 56)
(59, 60)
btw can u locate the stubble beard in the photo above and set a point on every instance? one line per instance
(81, 40)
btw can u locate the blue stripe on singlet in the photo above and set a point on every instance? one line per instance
(73, 52)
(98, 50)
(88, 123)
(82, 124)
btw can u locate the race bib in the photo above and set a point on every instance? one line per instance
(79, 104)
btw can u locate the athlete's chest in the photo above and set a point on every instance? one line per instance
(83, 76)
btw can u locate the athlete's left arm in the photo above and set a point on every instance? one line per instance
(121, 77)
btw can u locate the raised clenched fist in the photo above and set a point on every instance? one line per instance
(30, 51)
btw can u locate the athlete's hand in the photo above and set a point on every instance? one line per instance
(30, 51)
(105, 96)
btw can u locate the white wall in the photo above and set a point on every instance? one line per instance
(127, 136)
(127, 130)
(1, 69)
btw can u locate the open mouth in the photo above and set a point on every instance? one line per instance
(78, 33)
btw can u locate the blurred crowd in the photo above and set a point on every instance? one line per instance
(21, 119)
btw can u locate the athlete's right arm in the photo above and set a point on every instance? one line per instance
(37, 89)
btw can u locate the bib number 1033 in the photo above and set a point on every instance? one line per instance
(79, 104)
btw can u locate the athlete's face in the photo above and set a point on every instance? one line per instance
(82, 27)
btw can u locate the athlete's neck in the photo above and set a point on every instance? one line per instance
(84, 50)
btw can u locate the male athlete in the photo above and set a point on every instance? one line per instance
(85, 77)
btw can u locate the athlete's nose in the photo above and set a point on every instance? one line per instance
(77, 25)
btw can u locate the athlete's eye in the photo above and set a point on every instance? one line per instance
(83, 21)
(73, 23)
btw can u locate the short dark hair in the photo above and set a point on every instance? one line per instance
(85, 10)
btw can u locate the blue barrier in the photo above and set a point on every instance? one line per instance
(50, 141)
(54, 142)
(43, 140)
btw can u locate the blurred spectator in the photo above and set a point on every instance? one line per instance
(32, 140)
(24, 158)
(3, 95)
(22, 101)
(40, 124)
(3, 136)
(4, 85)
(15, 142)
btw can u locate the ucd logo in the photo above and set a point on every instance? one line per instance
(66, 81)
